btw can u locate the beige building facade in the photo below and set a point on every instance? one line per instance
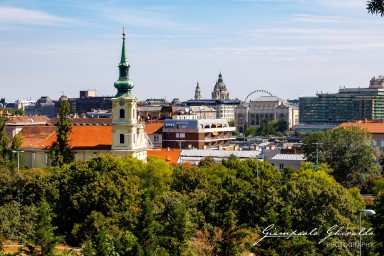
(264, 109)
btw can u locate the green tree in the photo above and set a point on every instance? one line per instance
(104, 185)
(267, 128)
(207, 161)
(376, 7)
(177, 228)
(378, 186)
(187, 179)
(250, 131)
(5, 151)
(17, 142)
(378, 220)
(10, 220)
(8, 159)
(348, 151)
(100, 245)
(17, 221)
(60, 151)
(7, 185)
(381, 162)
(156, 176)
(313, 199)
(43, 240)
(148, 229)
(282, 126)
(36, 184)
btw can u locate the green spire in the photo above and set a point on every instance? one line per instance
(123, 60)
(123, 84)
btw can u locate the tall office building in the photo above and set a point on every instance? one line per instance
(348, 104)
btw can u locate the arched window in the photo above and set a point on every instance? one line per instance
(122, 113)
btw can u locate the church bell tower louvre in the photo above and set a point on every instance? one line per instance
(128, 136)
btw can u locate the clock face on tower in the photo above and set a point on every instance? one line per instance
(121, 103)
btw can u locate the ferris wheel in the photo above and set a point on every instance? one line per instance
(257, 92)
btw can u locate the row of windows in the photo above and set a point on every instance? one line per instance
(180, 135)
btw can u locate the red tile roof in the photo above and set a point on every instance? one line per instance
(85, 137)
(153, 128)
(81, 137)
(372, 127)
(38, 136)
(98, 137)
(27, 119)
(171, 156)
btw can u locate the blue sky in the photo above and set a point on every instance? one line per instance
(290, 48)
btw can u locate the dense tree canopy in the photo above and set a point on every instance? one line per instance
(123, 206)
(8, 147)
(348, 151)
(268, 128)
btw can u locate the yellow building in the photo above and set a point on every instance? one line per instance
(128, 137)
(125, 136)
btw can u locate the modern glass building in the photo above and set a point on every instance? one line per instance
(349, 104)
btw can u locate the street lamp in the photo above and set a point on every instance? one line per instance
(18, 158)
(317, 151)
(257, 168)
(366, 211)
(18, 185)
(180, 151)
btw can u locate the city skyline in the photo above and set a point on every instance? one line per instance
(289, 48)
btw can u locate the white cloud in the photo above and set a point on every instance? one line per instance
(155, 17)
(335, 20)
(342, 4)
(33, 17)
(315, 36)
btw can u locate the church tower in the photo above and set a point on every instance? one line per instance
(128, 136)
(197, 92)
(220, 91)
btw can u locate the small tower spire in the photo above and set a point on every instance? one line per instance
(123, 84)
(197, 92)
(123, 59)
